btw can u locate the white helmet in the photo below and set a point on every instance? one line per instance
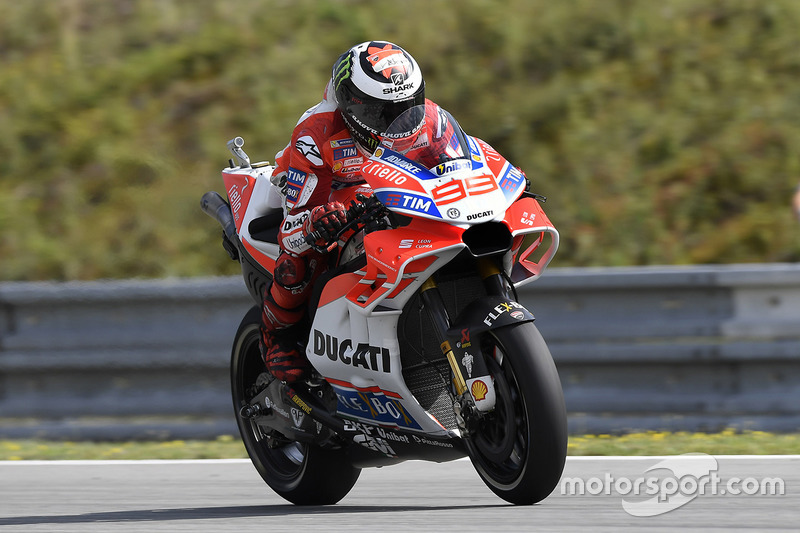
(374, 82)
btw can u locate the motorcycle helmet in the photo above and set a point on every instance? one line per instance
(374, 82)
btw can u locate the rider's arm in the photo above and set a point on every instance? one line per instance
(308, 184)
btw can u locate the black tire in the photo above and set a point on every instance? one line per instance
(301, 473)
(521, 447)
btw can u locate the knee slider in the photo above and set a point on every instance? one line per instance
(290, 271)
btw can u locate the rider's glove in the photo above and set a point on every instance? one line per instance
(358, 206)
(324, 221)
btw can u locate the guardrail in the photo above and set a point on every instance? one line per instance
(678, 348)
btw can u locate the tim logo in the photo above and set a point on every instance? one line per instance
(392, 200)
(511, 180)
(407, 201)
(344, 153)
(295, 181)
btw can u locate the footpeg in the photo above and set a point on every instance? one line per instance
(253, 411)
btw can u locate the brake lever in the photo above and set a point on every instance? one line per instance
(312, 238)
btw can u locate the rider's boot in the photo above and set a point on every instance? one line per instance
(283, 356)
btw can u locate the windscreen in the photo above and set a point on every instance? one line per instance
(428, 135)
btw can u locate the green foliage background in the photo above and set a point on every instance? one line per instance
(663, 132)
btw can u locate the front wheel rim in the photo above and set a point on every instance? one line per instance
(501, 449)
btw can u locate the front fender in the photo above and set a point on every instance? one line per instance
(478, 317)
(488, 313)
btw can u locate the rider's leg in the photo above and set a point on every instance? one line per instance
(285, 307)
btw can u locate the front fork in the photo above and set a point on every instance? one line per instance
(472, 381)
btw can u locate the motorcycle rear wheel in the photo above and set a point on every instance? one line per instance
(520, 448)
(300, 473)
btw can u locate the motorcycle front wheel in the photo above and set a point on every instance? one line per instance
(300, 473)
(520, 448)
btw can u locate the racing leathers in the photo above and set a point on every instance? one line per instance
(321, 162)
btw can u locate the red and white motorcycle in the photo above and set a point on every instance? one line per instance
(420, 348)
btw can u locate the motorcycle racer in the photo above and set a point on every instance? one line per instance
(371, 84)
(417, 346)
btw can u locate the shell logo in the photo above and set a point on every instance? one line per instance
(479, 390)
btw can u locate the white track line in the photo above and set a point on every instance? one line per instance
(578, 458)
(85, 462)
(687, 456)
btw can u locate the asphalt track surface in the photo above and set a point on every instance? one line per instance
(204, 496)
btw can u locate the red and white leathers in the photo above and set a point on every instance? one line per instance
(322, 163)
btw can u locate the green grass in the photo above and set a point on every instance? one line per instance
(727, 442)
(224, 447)
(662, 132)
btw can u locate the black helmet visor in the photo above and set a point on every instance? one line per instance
(376, 117)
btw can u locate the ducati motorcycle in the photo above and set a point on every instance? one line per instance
(419, 346)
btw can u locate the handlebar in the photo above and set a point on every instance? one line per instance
(362, 210)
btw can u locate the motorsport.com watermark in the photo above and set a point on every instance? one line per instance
(693, 475)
